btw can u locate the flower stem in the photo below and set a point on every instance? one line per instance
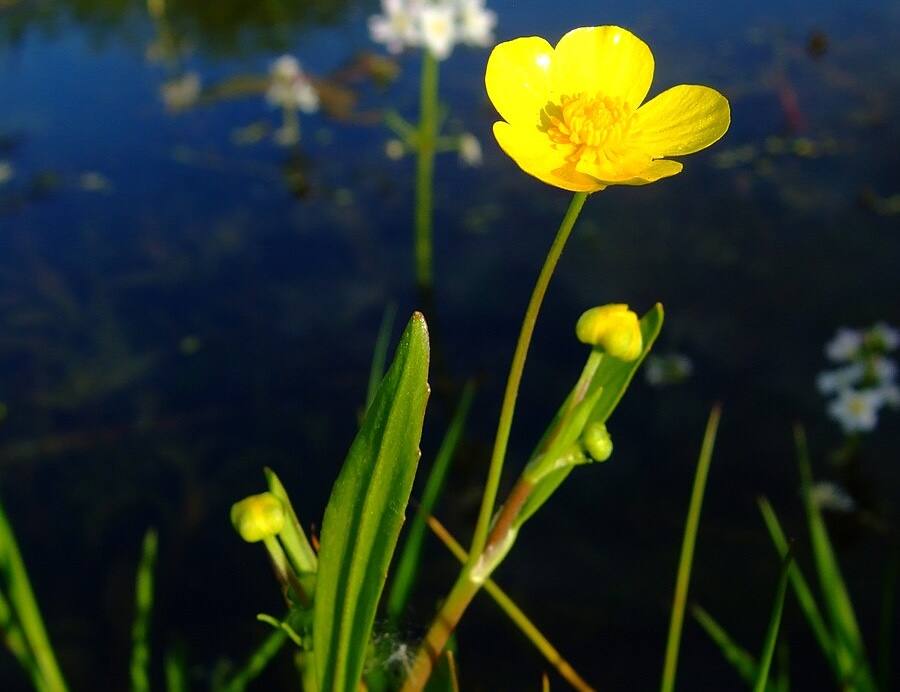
(425, 141)
(515, 377)
(476, 571)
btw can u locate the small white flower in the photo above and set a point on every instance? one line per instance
(845, 345)
(394, 149)
(399, 25)
(6, 171)
(890, 394)
(839, 379)
(828, 495)
(438, 29)
(856, 411)
(290, 87)
(470, 150)
(884, 369)
(181, 92)
(476, 24)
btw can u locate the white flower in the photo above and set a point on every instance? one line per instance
(399, 25)
(883, 336)
(438, 29)
(884, 369)
(6, 171)
(845, 345)
(290, 87)
(828, 495)
(890, 394)
(181, 92)
(394, 149)
(470, 150)
(836, 381)
(856, 411)
(476, 24)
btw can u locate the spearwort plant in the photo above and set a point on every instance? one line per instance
(575, 117)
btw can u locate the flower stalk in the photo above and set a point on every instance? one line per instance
(426, 141)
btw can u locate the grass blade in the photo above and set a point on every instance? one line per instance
(143, 608)
(683, 577)
(768, 652)
(798, 583)
(849, 649)
(22, 617)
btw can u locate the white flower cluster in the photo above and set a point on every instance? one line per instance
(290, 87)
(438, 25)
(865, 380)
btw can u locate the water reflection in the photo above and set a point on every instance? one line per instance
(183, 299)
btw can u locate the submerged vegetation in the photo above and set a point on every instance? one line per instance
(178, 366)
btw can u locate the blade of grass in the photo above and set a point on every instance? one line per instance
(886, 620)
(21, 605)
(257, 662)
(768, 652)
(740, 659)
(143, 608)
(380, 354)
(800, 586)
(508, 606)
(849, 648)
(175, 665)
(410, 558)
(685, 562)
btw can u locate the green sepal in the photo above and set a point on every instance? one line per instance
(364, 514)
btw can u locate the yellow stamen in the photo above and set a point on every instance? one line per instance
(596, 128)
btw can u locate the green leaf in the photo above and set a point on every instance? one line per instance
(768, 652)
(798, 582)
(364, 515)
(739, 658)
(849, 650)
(603, 391)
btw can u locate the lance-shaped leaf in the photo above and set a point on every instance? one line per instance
(365, 512)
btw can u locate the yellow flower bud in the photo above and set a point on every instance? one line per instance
(597, 442)
(258, 517)
(614, 328)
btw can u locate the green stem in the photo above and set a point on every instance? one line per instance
(515, 376)
(474, 574)
(426, 139)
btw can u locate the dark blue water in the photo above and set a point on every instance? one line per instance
(181, 307)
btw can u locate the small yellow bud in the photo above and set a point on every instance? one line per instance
(258, 517)
(613, 327)
(597, 442)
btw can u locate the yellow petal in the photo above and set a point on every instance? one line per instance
(605, 60)
(682, 120)
(657, 170)
(529, 148)
(517, 79)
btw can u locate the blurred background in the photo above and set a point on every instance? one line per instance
(185, 298)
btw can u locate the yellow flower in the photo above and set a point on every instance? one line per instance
(614, 328)
(573, 114)
(258, 517)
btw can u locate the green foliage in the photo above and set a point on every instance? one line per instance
(20, 618)
(593, 399)
(143, 607)
(364, 515)
(685, 562)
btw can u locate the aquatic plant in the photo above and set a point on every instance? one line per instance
(437, 26)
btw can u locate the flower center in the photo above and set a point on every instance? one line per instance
(595, 127)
